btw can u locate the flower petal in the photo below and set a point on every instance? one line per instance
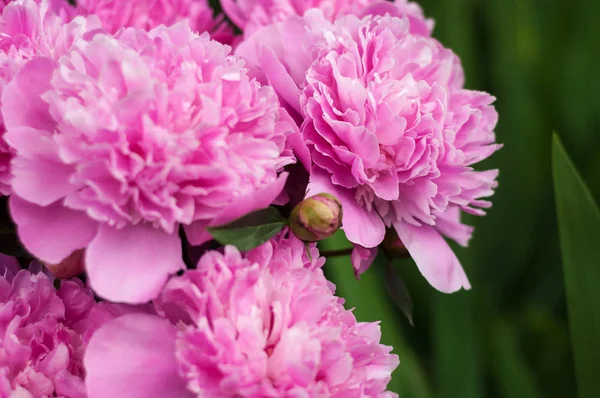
(39, 174)
(134, 356)
(132, 264)
(434, 257)
(362, 258)
(53, 232)
(21, 102)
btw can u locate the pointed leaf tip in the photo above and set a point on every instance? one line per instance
(250, 231)
(579, 232)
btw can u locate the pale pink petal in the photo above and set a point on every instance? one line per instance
(21, 101)
(134, 356)
(362, 227)
(434, 257)
(53, 232)
(39, 174)
(284, 67)
(132, 264)
(402, 8)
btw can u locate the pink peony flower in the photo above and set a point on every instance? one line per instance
(29, 29)
(389, 128)
(149, 14)
(250, 15)
(41, 350)
(125, 139)
(263, 325)
(418, 24)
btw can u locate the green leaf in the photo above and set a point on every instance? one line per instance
(514, 377)
(579, 230)
(456, 337)
(398, 291)
(251, 230)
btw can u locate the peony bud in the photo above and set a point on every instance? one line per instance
(69, 267)
(316, 218)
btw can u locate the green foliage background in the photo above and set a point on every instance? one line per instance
(509, 335)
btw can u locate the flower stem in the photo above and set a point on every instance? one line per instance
(336, 253)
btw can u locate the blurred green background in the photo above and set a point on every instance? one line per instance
(508, 336)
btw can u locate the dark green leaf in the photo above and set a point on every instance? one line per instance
(579, 230)
(251, 230)
(398, 291)
(456, 337)
(513, 375)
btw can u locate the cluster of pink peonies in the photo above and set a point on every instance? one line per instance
(132, 130)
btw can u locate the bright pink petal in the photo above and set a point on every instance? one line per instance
(134, 356)
(53, 232)
(132, 264)
(434, 257)
(259, 199)
(21, 102)
(362, 227)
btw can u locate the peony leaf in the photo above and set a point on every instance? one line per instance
(515, 378)
(251, 230)
(398, 291)
(579, 231)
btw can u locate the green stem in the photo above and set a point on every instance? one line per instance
(336, 253)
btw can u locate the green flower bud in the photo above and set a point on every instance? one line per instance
(316, 218)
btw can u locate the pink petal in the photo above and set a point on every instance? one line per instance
(39, 174)
(134, 356)
(448, 224)
(295, 139)
(132, 264)
(279, 79)
(259, 199)
(21, 102)
(418, 24)
(362, 227)
(434, 257)
(53, 232)
(233, 11)
(362, 258)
